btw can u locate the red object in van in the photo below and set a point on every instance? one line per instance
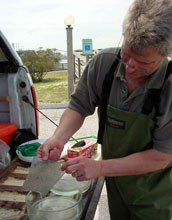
(7, 131)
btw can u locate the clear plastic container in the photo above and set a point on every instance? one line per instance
(55, 207)
(68, 185)
(5, 158)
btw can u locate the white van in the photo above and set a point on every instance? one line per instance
(16, 88)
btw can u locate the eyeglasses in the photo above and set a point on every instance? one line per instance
(150, 67)
(143, 72)
(136, 69)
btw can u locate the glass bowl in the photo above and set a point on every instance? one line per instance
(55, 207)
(24, 217)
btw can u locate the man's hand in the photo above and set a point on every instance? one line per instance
(50, 150)
(70, 122)
(82, 168)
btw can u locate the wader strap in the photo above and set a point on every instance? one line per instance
(152, 99)
(106, 88)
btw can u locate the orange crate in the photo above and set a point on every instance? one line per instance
(7, 131)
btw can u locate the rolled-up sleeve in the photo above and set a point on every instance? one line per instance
(85, 98)
(87, 94)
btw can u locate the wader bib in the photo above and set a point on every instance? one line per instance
(121, 133)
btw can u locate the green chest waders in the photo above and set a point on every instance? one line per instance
(121, 133)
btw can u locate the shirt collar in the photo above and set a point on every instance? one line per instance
(120, 71)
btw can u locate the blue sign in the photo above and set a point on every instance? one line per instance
(87, 46)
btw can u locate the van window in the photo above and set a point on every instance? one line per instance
(2, 56)
(6, 62)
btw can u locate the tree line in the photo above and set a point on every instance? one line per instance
(40, 61)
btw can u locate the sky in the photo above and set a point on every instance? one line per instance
(30, 24)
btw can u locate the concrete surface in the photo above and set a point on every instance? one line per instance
(89, 128)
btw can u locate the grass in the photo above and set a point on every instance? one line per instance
(53, 88)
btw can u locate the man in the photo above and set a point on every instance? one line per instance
(132, 88)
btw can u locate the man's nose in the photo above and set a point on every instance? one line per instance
(131, 62)
(130, 67)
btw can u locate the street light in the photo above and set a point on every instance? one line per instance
(69, 21)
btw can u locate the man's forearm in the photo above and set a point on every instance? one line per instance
(135, 164)
(70, 122)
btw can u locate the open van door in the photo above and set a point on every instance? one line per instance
(16, 83)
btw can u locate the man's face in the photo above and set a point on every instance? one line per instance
(138, 66)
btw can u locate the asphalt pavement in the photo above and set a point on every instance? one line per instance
(89, 128)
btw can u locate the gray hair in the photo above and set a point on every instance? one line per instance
(149, 23)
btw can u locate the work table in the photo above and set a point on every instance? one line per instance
(12, 199)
